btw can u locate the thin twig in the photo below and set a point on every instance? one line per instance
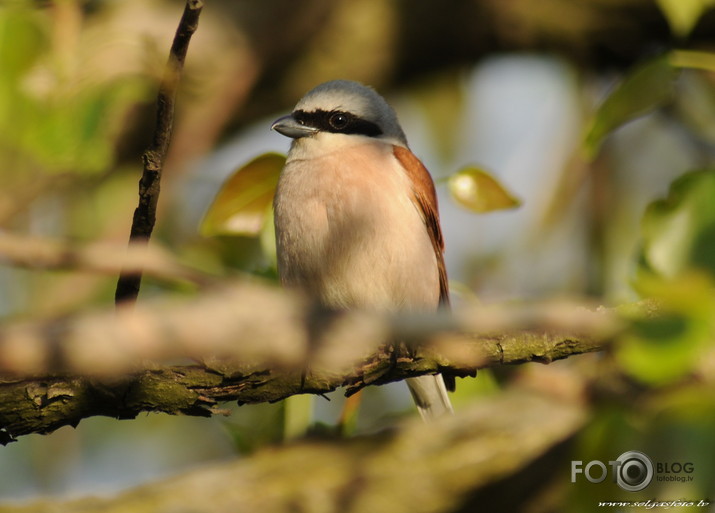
(145, 213)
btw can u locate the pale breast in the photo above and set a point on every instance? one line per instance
(349, 233)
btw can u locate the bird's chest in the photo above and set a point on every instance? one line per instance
(348, 232)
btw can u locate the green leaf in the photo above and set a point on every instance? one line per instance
(660, 351)
(677, 270)
(243, 202)
(75, 132)
(647, 87)
(678, 232)
(694, 105)
(268, 238)
(257, 426)
(23, 38)
(683, 15)
(667, 348)
(476, 190)
(692, 59)
(297, 415)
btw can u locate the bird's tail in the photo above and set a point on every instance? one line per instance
(430, 396)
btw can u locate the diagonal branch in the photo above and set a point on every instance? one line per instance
(145, 213)
(416, 468)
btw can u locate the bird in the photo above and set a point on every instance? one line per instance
(356, 215)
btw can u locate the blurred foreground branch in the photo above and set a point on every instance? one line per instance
(420, 467)
(145, 213)
(256, 343)
(41, 253)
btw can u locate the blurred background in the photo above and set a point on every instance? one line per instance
(597, 117)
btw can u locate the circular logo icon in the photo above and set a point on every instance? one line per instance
(635, 471)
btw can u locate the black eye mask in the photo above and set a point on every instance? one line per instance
(337, 122)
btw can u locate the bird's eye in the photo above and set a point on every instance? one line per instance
(338, 120)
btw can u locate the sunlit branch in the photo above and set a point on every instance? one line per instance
(259, 344)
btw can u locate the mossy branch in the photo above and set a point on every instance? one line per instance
(41, 405)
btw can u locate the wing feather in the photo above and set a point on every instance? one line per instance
(425, 198)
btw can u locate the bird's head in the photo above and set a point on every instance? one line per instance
(342, 107)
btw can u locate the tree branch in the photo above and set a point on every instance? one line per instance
(56, 255)
(417, 468)
(260, 340)
(145, 213)
(248, 321)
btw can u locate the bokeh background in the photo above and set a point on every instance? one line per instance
(586, 111)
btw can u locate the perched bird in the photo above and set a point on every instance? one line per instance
(356, 214)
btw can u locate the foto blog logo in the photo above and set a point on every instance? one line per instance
(632, 471)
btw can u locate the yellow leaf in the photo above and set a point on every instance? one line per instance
(692, 59)
(242, 204)
(476, 190)
(683, 15)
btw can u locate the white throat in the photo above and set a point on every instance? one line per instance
(326, 143)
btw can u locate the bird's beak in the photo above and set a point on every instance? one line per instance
(290, 127)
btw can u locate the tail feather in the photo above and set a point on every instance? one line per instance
(430, 395)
